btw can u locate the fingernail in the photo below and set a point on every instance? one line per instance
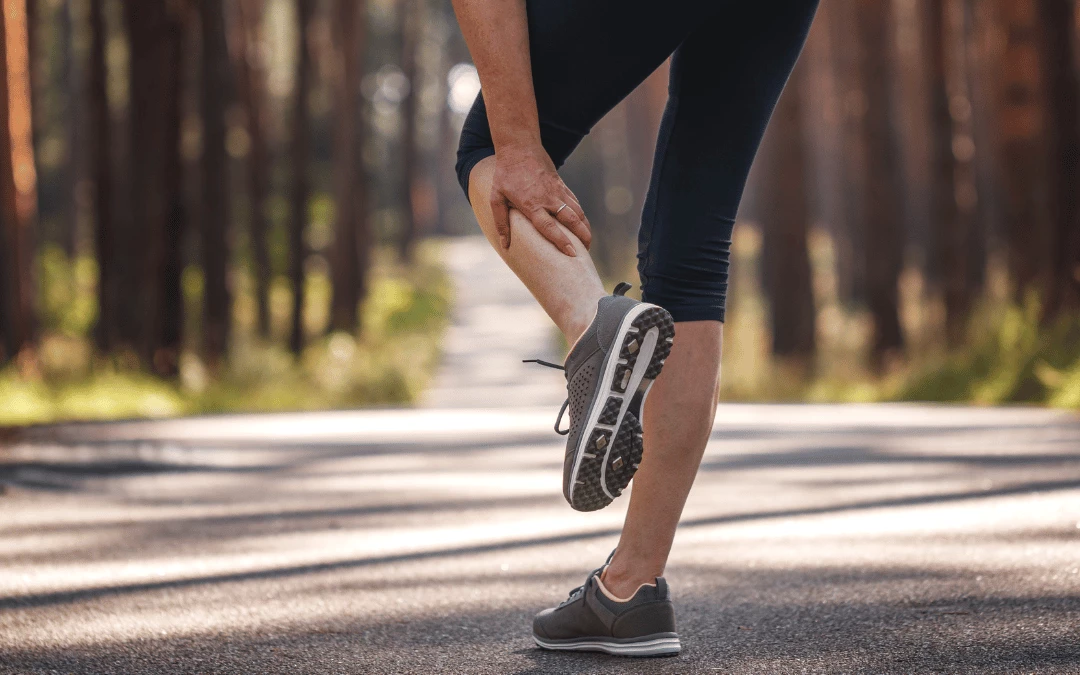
(569, 248)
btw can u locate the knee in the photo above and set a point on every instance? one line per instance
(689, 281)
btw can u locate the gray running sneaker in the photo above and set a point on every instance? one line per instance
(590, 621)
(608, 373)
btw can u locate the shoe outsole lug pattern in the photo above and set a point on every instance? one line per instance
(610, 414)
(625, 456)
(589, 493)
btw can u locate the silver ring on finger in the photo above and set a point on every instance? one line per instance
(560, 209)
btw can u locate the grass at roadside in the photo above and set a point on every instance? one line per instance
(389, 362)
(1008, 357)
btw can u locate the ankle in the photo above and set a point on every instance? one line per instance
(623, 582)
(577, 324)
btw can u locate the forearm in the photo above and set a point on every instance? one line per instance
(523, 177)
(497, 34)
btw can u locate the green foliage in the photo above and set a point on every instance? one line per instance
(1012, 359)
(66, 292)
(1010, 356)
(388, 362)
(102, 395)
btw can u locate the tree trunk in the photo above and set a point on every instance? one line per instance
(71, 77)
(980, 171)
(170, 329)
(106, 333)
(644, 109)
(8, 338)
(155, 31)
(850, 233)
(11, 329)
(217, 304)
(248, 45)
(410, 29)
(615, 223)
(952, 182)
(300, 158)
(18, 182)
(785, 217)
(34, 67)
(1023, 159)
(942, 184)
(1063, 84)
(824, 129)
(348, 181)
(882, 212)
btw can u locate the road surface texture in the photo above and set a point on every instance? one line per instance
(496, 324)
(819, 539)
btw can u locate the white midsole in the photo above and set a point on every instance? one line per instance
(669, 645)
(599, 401)
(644, 360)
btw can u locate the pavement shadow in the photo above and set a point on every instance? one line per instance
(89, 593)
(732, 621)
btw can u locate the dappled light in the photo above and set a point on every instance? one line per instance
(271, 401)
(942, 521)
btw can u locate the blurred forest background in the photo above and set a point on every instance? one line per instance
(211, 205)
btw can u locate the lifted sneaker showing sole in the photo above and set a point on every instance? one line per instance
(591, 621)
(608, 374)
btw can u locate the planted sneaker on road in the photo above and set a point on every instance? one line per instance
(608, 373)
(589, 620)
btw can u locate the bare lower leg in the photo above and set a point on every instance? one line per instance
(679, 414)
(568, 288)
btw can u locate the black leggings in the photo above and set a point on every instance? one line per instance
(731, 61)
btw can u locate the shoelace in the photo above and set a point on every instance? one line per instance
(566, 403)
(580, 589)
(596, 572)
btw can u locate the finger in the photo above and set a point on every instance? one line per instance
(549, 228)
(585, 225)
(573, 220)
(500, 213)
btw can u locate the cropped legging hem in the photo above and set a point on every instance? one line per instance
(682, 311)
(467, 162)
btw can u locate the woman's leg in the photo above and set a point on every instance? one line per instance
(567, 288)
(725, 80)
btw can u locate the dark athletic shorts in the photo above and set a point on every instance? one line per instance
(731, 59)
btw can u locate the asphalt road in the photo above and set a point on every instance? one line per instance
(842, 539)
(818, 539)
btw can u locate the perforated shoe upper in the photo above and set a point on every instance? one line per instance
(588, 612)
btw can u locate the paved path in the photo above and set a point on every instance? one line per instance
(819, 539)
(496, 324)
